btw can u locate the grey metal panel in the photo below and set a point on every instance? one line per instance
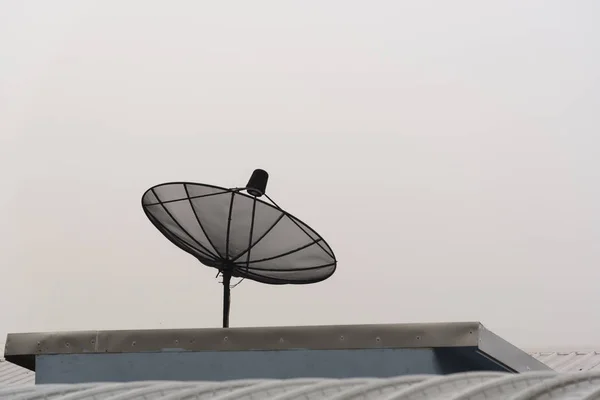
(476, 348)
(21, 347)
(220, 366)
(232, 339)
(505, 353)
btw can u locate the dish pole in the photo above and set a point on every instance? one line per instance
(226, 297)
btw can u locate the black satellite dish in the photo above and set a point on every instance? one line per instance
(239, 234)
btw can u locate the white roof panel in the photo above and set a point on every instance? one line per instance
(11, 374)
(570, 361)
(464, 386)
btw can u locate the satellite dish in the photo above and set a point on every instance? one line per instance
(240, 235)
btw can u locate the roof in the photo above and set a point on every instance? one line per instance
(570, 361)
(11, 374)
(464, 386)
(559, 361)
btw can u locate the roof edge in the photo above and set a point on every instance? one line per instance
(22, 348)
(507, 354)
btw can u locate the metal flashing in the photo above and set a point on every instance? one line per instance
(483, 346)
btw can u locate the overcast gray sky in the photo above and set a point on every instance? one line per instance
(447, 151)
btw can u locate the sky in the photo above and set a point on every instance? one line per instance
(447, 151)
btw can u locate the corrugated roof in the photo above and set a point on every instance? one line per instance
(11, 374)
(464, 386)
(570, 361)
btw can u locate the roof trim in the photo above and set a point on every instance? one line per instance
(21, 348)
